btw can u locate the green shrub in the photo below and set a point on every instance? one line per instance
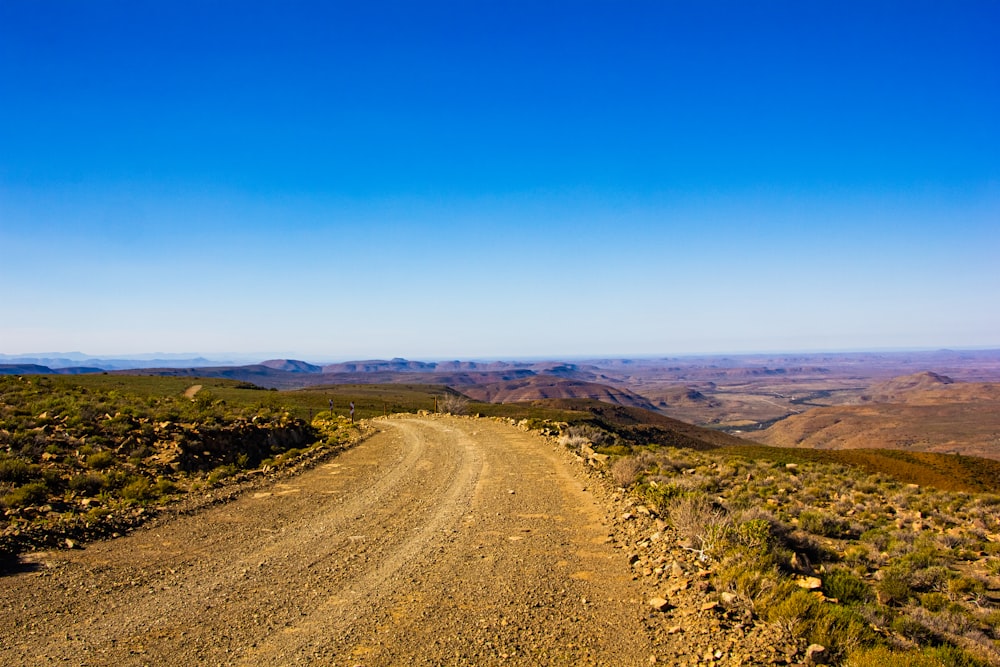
(753, 535)
(30, 494)
(877, 537)
(657, 495)
(165, 487)
(221, 473)
(912, 629)
(839, 628)
(940, 656)
(139, 490)
(962, 585)
(793, 611)
(895, 586)
(100, 460)
(821, 523)
(14, 470)
(90, 483)
(934, 601)
(846, 587)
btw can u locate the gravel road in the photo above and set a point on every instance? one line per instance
(438, 540)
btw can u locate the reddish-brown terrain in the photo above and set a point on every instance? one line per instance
(542, 387)
(923, 412)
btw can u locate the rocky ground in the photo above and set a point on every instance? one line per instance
(439, 540)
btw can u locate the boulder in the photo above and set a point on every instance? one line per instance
(817, 654)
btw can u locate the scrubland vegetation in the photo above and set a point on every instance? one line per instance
(82, 459)
(878, 571)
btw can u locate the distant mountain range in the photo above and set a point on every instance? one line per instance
(59, 362)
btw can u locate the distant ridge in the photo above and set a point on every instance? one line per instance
(37, 369)
(548, 387)
(292, 366)
(67, 360)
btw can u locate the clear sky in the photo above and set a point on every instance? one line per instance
(338, 180)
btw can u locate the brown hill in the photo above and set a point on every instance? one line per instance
(676, 397)
(549, 387)
(962, 418)
(642, 426)
(898, 389)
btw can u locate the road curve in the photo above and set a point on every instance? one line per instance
(437, 541)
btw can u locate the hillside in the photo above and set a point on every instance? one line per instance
(546, 387)
(899, 389)
(641, 426)
(924, 412)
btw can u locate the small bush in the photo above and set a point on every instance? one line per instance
(895, 586)
(625, 470)
(100, 460)
(576, 435)
(839, 628)
(30, 494)
(793, 611)
(821, 523)
(165, 487)
(453, 404)
(139, 491)
(221, 473)
(14, 470)
(658, 495)
(700, 522)
(846, 587)
(934, 601)
(90, 483)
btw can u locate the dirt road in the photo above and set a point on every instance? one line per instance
(437, 541)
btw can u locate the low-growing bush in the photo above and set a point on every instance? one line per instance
(626, 470)
(846, 586)
(700, 522)
(139, 490)
(895, 586)
(938, 656)
(165, 487)
(220, 473)
(821, 523)
(14, 470)
(34, 493)
(454, 404)
(90, 483)
(100, 460)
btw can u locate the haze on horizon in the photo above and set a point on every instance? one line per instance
(332, 181)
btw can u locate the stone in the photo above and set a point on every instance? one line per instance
(659, 604)
(809, 583)
(816, 654)
(727, 597)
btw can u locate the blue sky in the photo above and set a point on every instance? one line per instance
(498, 179)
